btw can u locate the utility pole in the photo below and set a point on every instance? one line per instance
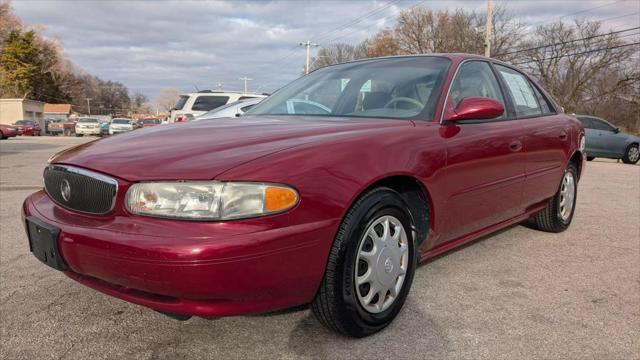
(488, 29)
(245, 79)
(307, 44)
(89, 105)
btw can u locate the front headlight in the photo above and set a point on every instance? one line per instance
(209, 200)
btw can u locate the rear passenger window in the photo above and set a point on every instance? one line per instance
(206, 103)
(547, 108)
(522, 94)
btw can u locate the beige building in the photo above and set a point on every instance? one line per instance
(12, 110)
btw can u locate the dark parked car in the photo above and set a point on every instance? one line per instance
(606, 140)
(328, 192)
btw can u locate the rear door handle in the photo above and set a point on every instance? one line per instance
(515, 145)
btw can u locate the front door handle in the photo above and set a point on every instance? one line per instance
(563, 135)
(515, 145)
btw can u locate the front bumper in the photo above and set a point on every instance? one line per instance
(82, 131)
(192, 268)
(118, 131)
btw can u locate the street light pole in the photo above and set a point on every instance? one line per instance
(307, 44)
(488, 29)
(245, 79)
(89, 105)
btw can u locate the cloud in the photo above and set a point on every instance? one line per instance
(150, 45)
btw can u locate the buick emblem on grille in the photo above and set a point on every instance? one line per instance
(65, 190)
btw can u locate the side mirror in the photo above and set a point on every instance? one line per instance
(475, 108)
(616, 130)
(238, 114)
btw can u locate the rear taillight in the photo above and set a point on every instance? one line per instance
(181, 118)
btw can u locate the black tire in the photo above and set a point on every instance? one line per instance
(550, 219)
(336, 304)
(590, 158)
(78, 135)
(626, 159)
(1, 136)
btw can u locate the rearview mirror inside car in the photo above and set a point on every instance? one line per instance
(476, 108)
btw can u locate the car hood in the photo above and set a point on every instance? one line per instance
(201, 150)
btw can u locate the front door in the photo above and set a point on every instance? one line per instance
(485, 160)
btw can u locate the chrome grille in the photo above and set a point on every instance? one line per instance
(80, 190)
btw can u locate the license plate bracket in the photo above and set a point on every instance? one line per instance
(43, 243)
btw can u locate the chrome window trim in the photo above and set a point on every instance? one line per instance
(88, 173)
(453, 79)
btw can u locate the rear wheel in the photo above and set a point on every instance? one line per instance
(557, 216)
(632, 155)
(370, 266)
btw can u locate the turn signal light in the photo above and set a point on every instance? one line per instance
(279, 198)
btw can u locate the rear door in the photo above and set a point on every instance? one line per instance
(547, 136)
(485, 159)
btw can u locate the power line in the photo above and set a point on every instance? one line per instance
(569, 42)
(579, 53)
(382, 18)
(576, 13)
(357, 20)
(294, 50)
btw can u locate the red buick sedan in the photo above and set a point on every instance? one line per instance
(328, 192)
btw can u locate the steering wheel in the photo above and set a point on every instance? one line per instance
(411, 101)
(291, 102)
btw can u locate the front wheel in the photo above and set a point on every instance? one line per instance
(632, 155)
(557, 216)
(370, 266)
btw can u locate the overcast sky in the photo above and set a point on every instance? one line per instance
(150, 45)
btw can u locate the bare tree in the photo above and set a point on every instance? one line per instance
(167, 99)
(585, 68)
(421, 31)
(338, 53)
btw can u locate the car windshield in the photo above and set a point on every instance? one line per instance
(88, 120)
(120, 121)
(403, 87)
(181, 101)
(24, 122)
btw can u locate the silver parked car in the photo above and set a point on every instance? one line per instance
(605, 140)
(236, 108)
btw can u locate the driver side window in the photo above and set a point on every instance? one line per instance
(474, 78)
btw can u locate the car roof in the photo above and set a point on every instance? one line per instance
(224, 92)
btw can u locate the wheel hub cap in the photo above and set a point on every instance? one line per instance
(567, 196)
(634, 154)
(382, 262)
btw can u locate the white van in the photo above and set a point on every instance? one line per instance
(194, 104)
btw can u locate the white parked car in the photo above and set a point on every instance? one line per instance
(189, 106)
(120, 125)
(230, 110)
(87, 126)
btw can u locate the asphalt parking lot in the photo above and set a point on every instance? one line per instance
(516, 294)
